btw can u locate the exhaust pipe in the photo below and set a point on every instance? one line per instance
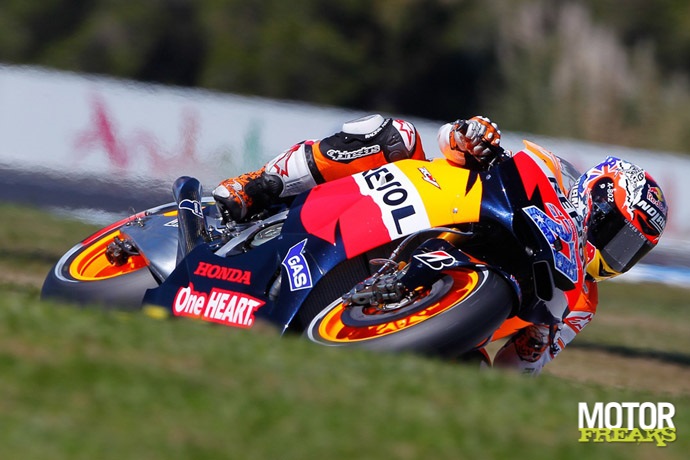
(191, 223)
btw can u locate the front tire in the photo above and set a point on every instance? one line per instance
(461, 310)
(84, 275)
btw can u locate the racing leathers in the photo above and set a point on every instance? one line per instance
(374, 141)
(365, 143)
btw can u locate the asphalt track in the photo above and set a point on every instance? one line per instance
(70, 192)
(100, 201)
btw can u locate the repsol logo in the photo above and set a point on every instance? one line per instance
(627, 422)
(389, 192)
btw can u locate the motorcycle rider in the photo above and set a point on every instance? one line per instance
(622, 207)
(365, 143)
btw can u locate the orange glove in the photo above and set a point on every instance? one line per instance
(235, 197)
(476, 136)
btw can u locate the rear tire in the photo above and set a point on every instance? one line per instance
(461, 311)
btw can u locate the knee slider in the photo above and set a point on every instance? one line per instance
(365, 126)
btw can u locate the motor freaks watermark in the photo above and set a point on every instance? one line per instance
(627, 422)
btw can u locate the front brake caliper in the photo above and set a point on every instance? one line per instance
(376, 290)
(119, 251)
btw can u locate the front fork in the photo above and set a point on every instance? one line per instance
(430, 259)
(398, 284)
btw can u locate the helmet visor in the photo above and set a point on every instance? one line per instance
(619, 242)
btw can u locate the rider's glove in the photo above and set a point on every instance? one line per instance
(527, 351)
(241, 197)
(232, 200)
(476, 136)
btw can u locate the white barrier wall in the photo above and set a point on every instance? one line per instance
(72, 124)
(78, 124)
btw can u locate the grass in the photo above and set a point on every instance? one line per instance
(644, 318)
(84, 383)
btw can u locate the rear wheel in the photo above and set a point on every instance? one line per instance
(460, 310)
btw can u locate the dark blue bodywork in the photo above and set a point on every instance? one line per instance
(284, 270)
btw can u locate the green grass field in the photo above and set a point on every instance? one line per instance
(80, 383)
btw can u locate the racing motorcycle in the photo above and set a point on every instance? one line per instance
(412, 256)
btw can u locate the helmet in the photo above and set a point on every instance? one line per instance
(625, 214)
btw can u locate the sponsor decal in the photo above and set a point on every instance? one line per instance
(655, 217)
(402, 209)
(436, 260)
(559, 231)
(655, 197)
(192, 206)
(637, 422)
(218, 272)
(229, 308)
(349, 155)
(426, 175)
(375, 132)
(608, 185)
(297, 267)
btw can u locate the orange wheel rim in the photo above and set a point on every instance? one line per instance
(91, 263)
(333, 329)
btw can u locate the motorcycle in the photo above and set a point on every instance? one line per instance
(412, 256)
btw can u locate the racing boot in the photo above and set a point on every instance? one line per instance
(241, 197)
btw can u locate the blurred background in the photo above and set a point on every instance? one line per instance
(103, 103)
(600, 70)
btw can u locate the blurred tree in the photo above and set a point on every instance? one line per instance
(157, 40)
(389, 55)
(662, 24)
(27, 27)
(597, 69)
(565, 75)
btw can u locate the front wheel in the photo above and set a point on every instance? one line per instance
(84, 274)
(462, 309)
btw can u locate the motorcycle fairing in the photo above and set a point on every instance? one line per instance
(383, 204)
(333, 222)
(550, 163)
(556, 219)
(204, 275)
(345, 218)
(557, 266)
